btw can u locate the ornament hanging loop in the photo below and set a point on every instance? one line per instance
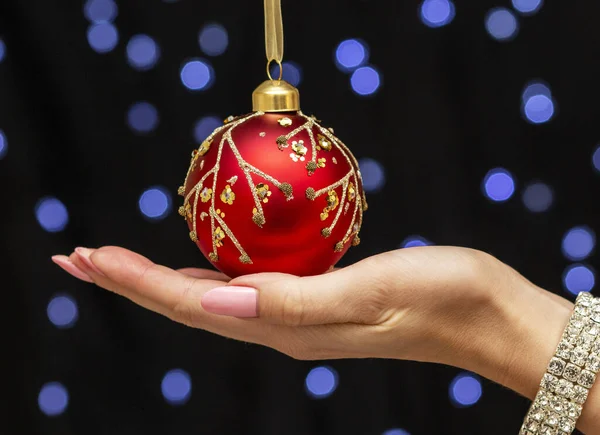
(269, 69)
(273, 34)
(275, 95)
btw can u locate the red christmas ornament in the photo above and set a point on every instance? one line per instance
(273, 192)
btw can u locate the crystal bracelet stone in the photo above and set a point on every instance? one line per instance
(570, 374)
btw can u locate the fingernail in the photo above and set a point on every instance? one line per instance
(84, 256)
(67, 265)
(231, 301)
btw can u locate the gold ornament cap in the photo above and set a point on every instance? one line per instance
(275, 96)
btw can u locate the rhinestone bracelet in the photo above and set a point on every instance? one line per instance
(570, 374)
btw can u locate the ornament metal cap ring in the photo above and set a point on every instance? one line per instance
(275, 96)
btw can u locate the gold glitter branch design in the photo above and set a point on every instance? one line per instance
(220, 229)
(258, 216)
(360, 203)
(219, 232)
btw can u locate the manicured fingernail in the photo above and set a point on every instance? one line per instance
(67, 265)
(231, 301)
(84, 256)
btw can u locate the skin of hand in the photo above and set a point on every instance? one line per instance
(447, 305)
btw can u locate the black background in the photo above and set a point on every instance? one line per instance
(448, 111)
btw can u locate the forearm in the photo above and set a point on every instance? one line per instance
(535, 322)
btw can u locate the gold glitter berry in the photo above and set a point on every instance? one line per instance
(204, 148)
(287, 190)
(351, 192)
(258, 219)
(206, 194)
(263, 192)
(284, 122)
(233, 180)
(282, 142)
(219, 235)
(228, 195)
(323, 142)
(311, 167)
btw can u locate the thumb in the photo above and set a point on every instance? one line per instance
(355, 294)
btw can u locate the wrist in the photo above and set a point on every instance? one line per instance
(535, 321)
(514, 333)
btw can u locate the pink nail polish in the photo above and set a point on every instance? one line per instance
(67, 265)
(84, 256)
(231, 301)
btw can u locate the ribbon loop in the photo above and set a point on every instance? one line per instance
(273, 32)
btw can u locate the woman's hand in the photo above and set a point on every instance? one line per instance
(436, 304)
(417, 304)
(446, 305)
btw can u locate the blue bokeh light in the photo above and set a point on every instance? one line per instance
(351, 54)
(578, 278)
(2, 50)
(102, 37)
(100, 11)
(213, 39)
(527, 7)
(205, 126)
(373, 175)
(51, 214)
(321, 382)
(534, 88)
(142, 117)
(176, 387)
(142, 52)
(365, 80)
(578, 243)
(53, 399)
(498, 185)
(538, 197)
(197, 75)
(395, 432)
(436, 13)
(595, 157)
(155, 203)
(292, 73)
(62, 311)
(538, 109)
(414, 240)
(501, 24)
(465, 390)
(3, 144)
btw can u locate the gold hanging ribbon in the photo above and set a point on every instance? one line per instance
(274, 35)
